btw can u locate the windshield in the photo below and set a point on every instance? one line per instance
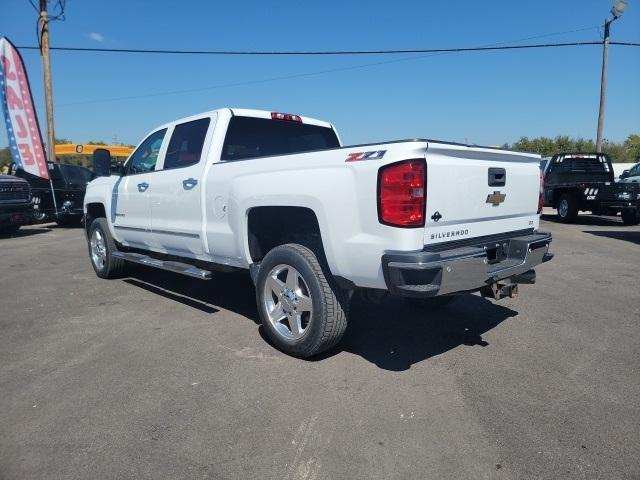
(249, 137)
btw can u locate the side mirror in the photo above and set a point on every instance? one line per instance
(102, 162)
(624, 174)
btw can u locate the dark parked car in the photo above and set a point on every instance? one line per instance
(69, 185)
(575, 182)
(15, 204)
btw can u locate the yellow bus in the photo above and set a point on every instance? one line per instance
(84, 151)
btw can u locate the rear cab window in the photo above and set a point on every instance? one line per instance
(586, 167)
(250, 137)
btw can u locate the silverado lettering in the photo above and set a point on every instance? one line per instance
(455, 233)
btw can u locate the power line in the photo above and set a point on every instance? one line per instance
(426, 53)
(326, 52)
(625, 44)
(262, 80)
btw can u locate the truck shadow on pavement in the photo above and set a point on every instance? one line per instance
(632, 236)
(599, 221)
(393, 335)
(26, 232)
(231, 291)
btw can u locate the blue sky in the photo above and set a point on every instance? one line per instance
(484, 98)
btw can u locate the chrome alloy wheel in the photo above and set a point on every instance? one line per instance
(287, 302)
(98, 249)
(563, 208)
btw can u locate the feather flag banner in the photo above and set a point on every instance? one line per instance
(23, 131)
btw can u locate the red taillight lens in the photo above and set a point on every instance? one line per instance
(541, 195)
(401, 194)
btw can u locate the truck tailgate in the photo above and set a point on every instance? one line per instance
(476, 192)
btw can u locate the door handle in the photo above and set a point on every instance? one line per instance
(142, 187)
(189, 183)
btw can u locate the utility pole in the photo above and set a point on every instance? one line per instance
(616, 11)
(48, 90)
(603, 85)
(43, 22)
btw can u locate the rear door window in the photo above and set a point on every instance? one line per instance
(185, 147)
(249, 137)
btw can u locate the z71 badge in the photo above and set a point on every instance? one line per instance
(359, 156)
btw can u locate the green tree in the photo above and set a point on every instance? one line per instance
(627, 151)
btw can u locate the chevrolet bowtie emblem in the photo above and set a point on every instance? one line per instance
(496, 198)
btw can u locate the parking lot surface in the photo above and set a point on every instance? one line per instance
(161, 376)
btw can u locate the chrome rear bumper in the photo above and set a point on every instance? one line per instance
(428, 273)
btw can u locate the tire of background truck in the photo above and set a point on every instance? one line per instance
(567, 208)
(433, 303)
(69, 222)
(8, 231)
(630, 216)
(301, 307)
(101, 247)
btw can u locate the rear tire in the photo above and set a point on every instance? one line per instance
(630, 216)
(101, 247)
(567, 208)
(302, 309)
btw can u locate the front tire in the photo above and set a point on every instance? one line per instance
(567, 208)
(101, 248)
(301, 308)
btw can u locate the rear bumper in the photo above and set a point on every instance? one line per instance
(620, 205)
(465, 269)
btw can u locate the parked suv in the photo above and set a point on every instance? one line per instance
(15, 204)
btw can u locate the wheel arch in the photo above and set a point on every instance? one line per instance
(559, 192)
(270, 226)
(93, 210)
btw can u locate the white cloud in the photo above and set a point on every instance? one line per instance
(97, 37)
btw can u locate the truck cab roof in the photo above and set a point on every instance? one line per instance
(246, 112)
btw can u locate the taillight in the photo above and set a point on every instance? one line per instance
(286, 116)
(401, 194)
(541, 195)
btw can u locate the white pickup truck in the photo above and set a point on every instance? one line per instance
(313, 221)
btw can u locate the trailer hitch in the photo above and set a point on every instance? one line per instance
(499, 290)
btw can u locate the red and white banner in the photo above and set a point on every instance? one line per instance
(23, 131)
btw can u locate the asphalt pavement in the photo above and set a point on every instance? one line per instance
(162, 376)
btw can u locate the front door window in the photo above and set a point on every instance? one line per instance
(144, 159)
